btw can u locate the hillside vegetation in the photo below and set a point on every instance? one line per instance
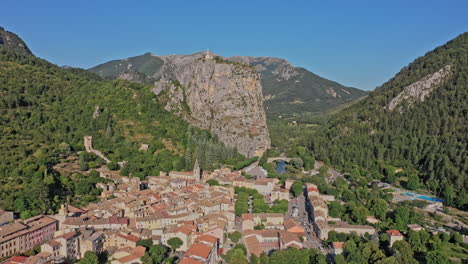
(46, 110)
(429, 136)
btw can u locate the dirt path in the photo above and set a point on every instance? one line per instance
(88, 142)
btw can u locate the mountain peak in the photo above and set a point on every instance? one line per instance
(11, 41)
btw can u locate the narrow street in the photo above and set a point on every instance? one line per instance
(304, 219)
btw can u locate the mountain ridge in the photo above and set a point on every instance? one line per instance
(211, 93)
(295, 91)
(287, 90)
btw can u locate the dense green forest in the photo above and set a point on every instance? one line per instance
(46, 110)
(430, 137)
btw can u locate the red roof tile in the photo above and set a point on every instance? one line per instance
(199, 250)
(129, 237)
(246, 217)
(394, 232)
(206, 238)
(54, 243)
(118, 220)
(338, 244)
(189, 261)
(18, 259)
(185, 230)
(69, 235)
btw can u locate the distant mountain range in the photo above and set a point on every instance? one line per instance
(287, 90)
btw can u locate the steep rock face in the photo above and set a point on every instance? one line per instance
(11, 41)
(290, 90)
(420, 90)
(211, 93)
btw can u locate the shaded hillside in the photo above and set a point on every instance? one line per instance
(418, 118)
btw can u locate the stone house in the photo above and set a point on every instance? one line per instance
(338, 247)
(394, 235)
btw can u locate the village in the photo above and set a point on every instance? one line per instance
(196, 209)
(177, 205)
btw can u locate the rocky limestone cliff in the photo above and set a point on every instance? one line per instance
(223, 97)
(420, 90)
(210, 92)
(11, 41)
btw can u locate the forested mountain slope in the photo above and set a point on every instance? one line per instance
(418, 118)
(46, 110)
(295, 91)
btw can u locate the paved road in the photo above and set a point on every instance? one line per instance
(303, 218)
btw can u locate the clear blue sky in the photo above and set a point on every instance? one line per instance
(357, 43)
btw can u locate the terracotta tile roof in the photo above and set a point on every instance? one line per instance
(54, 243)
(199, 186)
(246, 217)
(253, 246)
(271, 233)
(189, 261)
(290, 223)
(129, 237)
(69, 235)
(184, 230)
(74, 209)
(156, 196)
(9, 229)
(298, 230)
(17, 259)
(136, 253)
(338, 244)
(199, 250)
(289, 237)
(118, 220)
(312, 189)
(394, 232)
(206, 238)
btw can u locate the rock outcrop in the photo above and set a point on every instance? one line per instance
(420, 90)
(212, 93)
(288, 91)
(11, 41)
(223, 97)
